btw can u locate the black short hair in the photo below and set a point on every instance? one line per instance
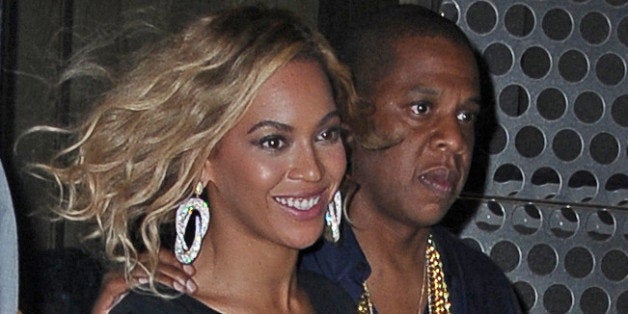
(368, 45)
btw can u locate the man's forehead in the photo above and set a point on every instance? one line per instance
(433, 55)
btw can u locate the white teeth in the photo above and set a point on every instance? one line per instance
(299, 203)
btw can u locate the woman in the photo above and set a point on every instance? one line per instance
(240, 105)
(409, 160)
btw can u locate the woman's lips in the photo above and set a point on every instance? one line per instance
(301, 207)
(298, 203)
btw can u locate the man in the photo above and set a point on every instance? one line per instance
(418, 77)
(411, 151)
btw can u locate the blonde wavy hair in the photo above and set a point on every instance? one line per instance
(140, 151)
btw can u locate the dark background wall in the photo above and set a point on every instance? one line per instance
(548, 195)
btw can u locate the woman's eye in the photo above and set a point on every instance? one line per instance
(272, 142)
(420, 108)
(331, 134)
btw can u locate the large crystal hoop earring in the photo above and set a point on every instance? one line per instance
(197, 208)
(333, 217)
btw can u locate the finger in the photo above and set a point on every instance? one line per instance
(138, 274)
(114, 287)
(170, 272)
(167, 257)
(171, 282)
(177, 274)
(103, 304)
(189, 269)
(188, 286)
(182, 284)
(167, 275)
(114, 283)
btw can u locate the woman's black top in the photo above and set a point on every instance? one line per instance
(325, 297)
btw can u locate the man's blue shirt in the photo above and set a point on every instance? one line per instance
(475, 283)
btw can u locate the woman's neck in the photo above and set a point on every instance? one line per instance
(241, 273)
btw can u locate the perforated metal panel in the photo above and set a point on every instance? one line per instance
(560, 259)
(554, 214)
(559, 74)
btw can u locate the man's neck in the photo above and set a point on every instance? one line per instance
(385, 240)
(396, 253)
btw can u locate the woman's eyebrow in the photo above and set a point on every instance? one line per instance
(331, 115)
(287, 128)
(272, 124)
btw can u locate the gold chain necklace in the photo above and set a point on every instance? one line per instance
(438, 295)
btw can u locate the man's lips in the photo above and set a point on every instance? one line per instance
(441, 180)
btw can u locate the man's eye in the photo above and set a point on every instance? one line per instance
(420, 108)
(466, 116)
(272, 142)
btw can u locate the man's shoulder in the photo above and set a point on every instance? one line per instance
(472, 267)
(471, 261)
(478, 283)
